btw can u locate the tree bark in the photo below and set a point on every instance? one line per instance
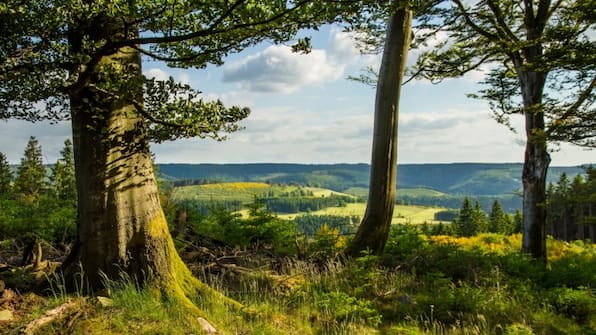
(536, 162)
(373, 232)
(122, 230)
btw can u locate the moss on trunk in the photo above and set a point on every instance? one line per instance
(122, 230)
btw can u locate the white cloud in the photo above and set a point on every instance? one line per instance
(278, 69)
(158, 74)
(342, 45)
(456, 136)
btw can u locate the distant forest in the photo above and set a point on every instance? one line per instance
(447, 184)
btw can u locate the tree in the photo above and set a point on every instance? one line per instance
(5, 176)
(499, 221)
(31, 173)
(518, 222)
(83, 61)
(63, 174)
(373, 232)
(542, 66)
(465, 224)
(479, 219)
(571, 207)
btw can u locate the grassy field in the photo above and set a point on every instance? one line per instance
(401, 213)
(411, 192)
(246, 192)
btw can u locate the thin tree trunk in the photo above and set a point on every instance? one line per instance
(373, 232)
(535, 167)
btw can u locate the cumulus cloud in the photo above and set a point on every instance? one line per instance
(160, 74)
(456, 136)
(342, 45)
(278, 69)
(156, 73)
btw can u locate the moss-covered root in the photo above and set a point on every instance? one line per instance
(175, 281)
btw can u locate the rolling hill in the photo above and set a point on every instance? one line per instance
(457, 178)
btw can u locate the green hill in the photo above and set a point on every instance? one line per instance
(458, 178)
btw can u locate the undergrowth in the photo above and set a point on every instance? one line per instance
(421, 285)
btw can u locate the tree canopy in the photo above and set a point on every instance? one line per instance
(511, 39)
(41, 63)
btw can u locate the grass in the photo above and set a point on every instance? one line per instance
(411, 192)
(246, 191)
(402, 214)
(424, 285)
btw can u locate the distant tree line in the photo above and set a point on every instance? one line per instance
(472, 220)
(571, 207)
(310, 224)
(510, 203)
(306, 204)
(38, 202)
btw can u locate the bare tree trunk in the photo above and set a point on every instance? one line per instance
(373, 232)
(536, 162)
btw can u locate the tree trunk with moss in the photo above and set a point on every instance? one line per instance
(122, 229)
(373, 232)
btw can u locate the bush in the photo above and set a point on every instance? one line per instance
(578, 304)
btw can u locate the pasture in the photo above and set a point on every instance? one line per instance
(247, 191)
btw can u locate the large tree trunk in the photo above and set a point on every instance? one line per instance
(373, 232)
(122, 229)
(535, 168)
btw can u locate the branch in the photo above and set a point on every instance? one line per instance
(172, 59)
(554, 8)
(542, 14)
(143, 112)
(473, 25)
(585, 95)
(210, 31)
(501, 24)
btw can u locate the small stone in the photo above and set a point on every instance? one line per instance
(105, 302)
(207, 327)
(6, 315)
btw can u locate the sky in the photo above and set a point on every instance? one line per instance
(304, 110)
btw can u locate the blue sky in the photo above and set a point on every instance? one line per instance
(304, 110)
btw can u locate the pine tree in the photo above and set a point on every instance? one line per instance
(518, 222)
(464, 224)
(499, 221)
(5, 175)
(30, 180)
(63, 174)
(479, 219)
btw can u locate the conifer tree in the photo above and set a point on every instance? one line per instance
(63, 174)
(518, 222)
(5, 175)
(499, 221)
(31, 174)
(479, 219)
(464, 224)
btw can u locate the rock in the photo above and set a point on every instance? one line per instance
(6, 315)
(207, 327)
(105, 302)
